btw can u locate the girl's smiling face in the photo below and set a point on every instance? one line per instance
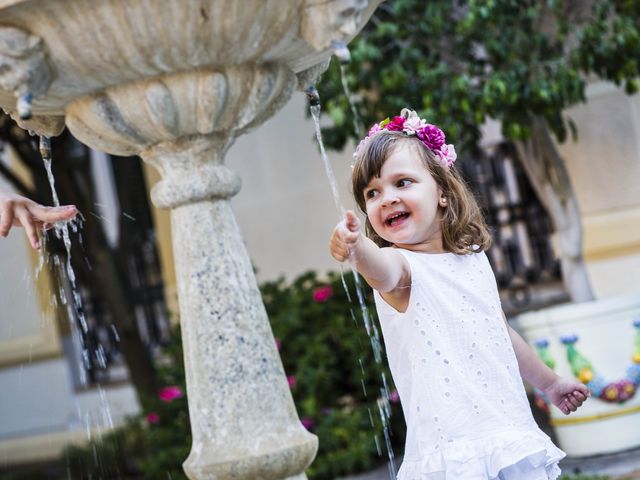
(404, 204)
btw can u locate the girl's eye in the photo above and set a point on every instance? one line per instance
(370, 193)
(404, 182)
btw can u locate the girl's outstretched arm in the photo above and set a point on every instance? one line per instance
(384, 269)
(566, 393)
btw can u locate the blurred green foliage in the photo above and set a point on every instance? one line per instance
(459, 63)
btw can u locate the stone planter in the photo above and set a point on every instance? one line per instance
(605, 336)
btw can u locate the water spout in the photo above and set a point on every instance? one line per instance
(23, 106)
(313, 96)
(341, 51)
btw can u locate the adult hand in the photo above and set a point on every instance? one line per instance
(16, 210)
(345, 236)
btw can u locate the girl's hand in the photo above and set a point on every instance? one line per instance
(345, 236)
(567, 394)
(22, 212)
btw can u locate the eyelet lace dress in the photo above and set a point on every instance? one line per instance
(457, 376)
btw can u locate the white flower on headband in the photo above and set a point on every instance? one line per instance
(413, 122)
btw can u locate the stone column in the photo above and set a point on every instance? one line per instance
(243, 418)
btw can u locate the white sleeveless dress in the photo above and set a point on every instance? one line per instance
(457, 376)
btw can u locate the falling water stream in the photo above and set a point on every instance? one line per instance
(62, 231)
(343, 55)
(384, 407)
(77, 320)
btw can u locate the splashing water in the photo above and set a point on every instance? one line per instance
(370, 327)
(62, 231)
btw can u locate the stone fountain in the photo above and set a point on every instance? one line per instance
(176, 81)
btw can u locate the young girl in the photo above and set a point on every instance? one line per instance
(456, 363)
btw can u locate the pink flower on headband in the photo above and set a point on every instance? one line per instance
(447, 154)
(410, 123)
(375, 128)
(413, 123)
(396, 125)
(431, 136)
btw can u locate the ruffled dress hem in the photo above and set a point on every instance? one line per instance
(484, 458)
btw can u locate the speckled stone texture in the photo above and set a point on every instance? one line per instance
(243, 419)
(175, 82)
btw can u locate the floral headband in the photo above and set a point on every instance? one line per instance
(410, 123)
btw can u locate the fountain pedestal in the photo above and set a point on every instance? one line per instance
(243, 419)
(175, 82)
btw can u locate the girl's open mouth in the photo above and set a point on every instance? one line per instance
(396, 219)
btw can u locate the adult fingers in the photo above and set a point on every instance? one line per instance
(6, 218)
(53, 214)
(27, 222)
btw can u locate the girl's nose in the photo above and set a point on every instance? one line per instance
(389, 199)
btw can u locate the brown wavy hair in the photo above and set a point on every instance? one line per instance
(463, 227)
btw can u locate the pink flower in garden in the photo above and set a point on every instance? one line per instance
(394, 397)
(396, 125)
(431, 136)
(308, 423)
(322, 294)
(168, 394)
(278, 344)
(153, 418)
(291, 379)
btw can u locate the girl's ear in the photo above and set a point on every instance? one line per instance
(443, 200)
